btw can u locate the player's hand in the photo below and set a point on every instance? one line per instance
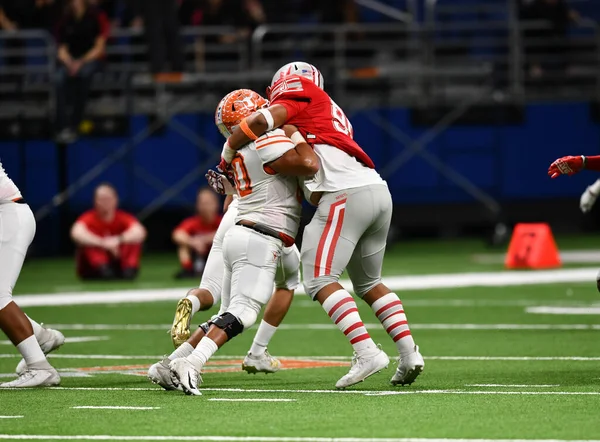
(588, 198)
(569, 165)
(111, 244)
(215, 181)
(225, 170)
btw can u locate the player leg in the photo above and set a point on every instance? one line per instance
(364, 270)
(17, 229)
(287, 280)
(209, 292)
(329, 241)
(252, 258)
(94, 263)
(129, 260)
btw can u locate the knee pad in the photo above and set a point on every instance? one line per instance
(313, 285)
(363, 287)
(229, 324)
(246, 309)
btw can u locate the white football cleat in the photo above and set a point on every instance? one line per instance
(186, 374)
(160, 374)
(409, 368)
(264, 363)
(51, 341)
(46, 377)
(364, 366)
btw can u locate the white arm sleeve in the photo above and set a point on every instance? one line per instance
(273, 145)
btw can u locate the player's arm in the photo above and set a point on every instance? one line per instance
(227, 202)
(299, 161)
(256, 125)
(181, 237)
(571, 165)
(83, 237)
(135, 234)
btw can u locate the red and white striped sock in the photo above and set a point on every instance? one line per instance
(390, 312)
(342, 310)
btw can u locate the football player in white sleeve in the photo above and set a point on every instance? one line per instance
(17, 229)
(265, 173)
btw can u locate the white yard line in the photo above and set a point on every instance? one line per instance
(554, 310)
(355, 392)
(331, 326)
(222, 399)
(11, 417)
(112, 407)
(513, 385)
(320, 358)
(73, 340)
(397, 283)
(257, 438)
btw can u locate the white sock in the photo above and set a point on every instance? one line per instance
(203, 352)
(390, 312)
(38, 330)
(262, 338)
(195, 303)
(342, 310)
(31, 351)
(183, 351)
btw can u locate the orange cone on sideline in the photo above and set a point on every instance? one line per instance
(532, 246)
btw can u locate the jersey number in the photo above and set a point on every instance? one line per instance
(340, 120)
(241, 176)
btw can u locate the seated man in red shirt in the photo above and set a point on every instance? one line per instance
(109, 241)
(194, 236)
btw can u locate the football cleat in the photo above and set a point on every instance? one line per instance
(180, 330)
(409, 368)
(364, 366)
(186, 374)
(52, 340)
(264, 363)
(160, 374)
(46, 377)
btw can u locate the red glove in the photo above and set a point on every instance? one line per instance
(566, 166)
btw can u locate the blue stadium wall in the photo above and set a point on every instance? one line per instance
(509, 162)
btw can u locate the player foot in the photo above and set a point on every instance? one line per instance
(186, 374)
(45, 377)
(264, 363)
(180, 330)
(409, 368)
(51, 341)
(160, 374)
(364, 366)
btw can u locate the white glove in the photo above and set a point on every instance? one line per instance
(589, 197)
(219, 183)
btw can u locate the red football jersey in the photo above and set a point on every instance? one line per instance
(195, 226)
(316, 115)
(120, 223)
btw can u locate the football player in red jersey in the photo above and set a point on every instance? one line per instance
(350, 227)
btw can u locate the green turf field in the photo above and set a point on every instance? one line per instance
(494, 369)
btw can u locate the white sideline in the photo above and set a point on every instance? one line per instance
(72, 340)
(555, 310)
(222, 399)
(513, 385)
(258, 438)
(397, 283)
(11, 417)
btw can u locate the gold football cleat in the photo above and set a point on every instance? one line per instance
(180, 330)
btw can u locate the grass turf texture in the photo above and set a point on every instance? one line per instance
(442, 403)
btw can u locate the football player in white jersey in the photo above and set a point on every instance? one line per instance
(349, 229)
(264, 173)
(17, 229)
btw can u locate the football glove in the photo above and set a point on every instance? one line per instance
(569, 165)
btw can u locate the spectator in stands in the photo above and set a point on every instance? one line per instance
(194, 236)
(109, 241)
(550, 41)
(81, 40)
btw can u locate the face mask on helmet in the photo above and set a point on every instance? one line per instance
(300, 68)
(236, 106)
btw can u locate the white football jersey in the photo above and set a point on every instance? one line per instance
(338, 171)
(265, 196)
(8, 190)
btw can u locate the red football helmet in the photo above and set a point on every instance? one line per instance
(236, 106)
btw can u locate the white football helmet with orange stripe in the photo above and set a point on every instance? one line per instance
(236, 106)
(300, 68)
